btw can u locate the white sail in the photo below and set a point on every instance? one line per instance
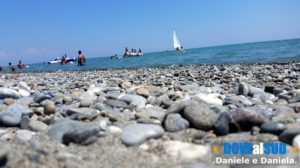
(176, 40)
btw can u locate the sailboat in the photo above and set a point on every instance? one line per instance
(177, 45)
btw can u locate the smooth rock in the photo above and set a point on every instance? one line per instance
(174, 122)
(75, 94)
(85, 103)
(151, 100)
(219, 109)
(247, 117)
(284, 118)
(114, 130)
(95, 90)
(8, 93)
(82, 135)
(24, 135)
(25, 122)
(67, 100)
(265, 111)
(103, 125)
(212, 98)
(88, 111)
(222, 126)
(41, 97)
(186, 151)
(24, 93)
(115, 116)
(142, 92)
(152, 89)
(88, 95)
(100, 106)
(3, 107)
(295, 99)
(82, 117)
(200, 116)
(177, 107)
(192, 88)
(255, 130)
(154, 112)
(126, 84)
(149, 121)
(115, 103)
(255, 90)
(48, 119)
(265, 96)
(136, 134)
(288, 134)
(163, 100)
(39, 110)
(49, 108)
(8, 101)
(273, 128)
(229, 100)
(284, 109)
(12, 115)
(134, 100)
(37, 126)
(144, 147)
(243, 89)
(24, 86)
(60, 127)
(25, 101)
(296, 142)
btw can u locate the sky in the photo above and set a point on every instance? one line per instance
(39, 30)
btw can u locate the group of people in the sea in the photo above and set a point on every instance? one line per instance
(127, 53)
(81, 59)
(12, 68)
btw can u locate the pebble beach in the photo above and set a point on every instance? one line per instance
(169, 116)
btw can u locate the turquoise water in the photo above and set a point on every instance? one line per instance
(279, 51)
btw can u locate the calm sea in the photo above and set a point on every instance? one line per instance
(272, 51)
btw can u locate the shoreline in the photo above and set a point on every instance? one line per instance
(145, 117)
(163, 66)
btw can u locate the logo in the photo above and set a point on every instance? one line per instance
(249, 148)
(248, 153)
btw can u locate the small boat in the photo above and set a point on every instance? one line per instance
(177, 45)
(58, 60)
(130, 54)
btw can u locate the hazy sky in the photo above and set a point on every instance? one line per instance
(38, 30)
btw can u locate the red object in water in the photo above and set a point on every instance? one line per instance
(166, 51)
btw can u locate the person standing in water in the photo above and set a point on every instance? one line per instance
(10, 66)
(21, 65)
(126, 52)
(81, 59)
(1, 69)
(140, 52)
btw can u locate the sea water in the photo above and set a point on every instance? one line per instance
(262, 52)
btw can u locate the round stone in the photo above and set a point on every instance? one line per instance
(174, 122)
(142, 92)
(8, 101)
(200, 116)
(85, 103)
(136, 134)
(49, 108)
